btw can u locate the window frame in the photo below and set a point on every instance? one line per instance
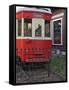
(53, 31)
(33, 29)
(23, 28)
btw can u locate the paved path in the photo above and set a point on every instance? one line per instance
(35, 75)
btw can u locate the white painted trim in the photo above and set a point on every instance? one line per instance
(33, 38)
(22, 27)
(51, 29)
(32, 29)
(58, 15)
(52, 33)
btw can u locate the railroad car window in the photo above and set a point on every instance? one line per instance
(57, 31)
(38, 31)
(19, 27)
(28, 27)
(38, 27)
(47, 29)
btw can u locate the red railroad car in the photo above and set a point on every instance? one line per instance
(33, 40)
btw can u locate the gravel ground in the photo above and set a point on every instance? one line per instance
(35, 75)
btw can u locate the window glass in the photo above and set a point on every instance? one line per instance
(19, 27)
(28, 27)
(47, 29)
(38, 26)
(57, 32)
(38, 30)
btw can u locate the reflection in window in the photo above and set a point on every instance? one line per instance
(57, 32)
(28, 27)
(19, 27)
(38, 31)
(47, 29)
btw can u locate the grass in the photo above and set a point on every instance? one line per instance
(58, 64)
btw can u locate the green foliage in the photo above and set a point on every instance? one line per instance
(58, 64)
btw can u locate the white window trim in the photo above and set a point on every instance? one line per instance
(22, 27)
(52, 33)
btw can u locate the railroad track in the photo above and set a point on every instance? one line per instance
(34, 75)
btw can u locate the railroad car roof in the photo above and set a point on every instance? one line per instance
(43, 10)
